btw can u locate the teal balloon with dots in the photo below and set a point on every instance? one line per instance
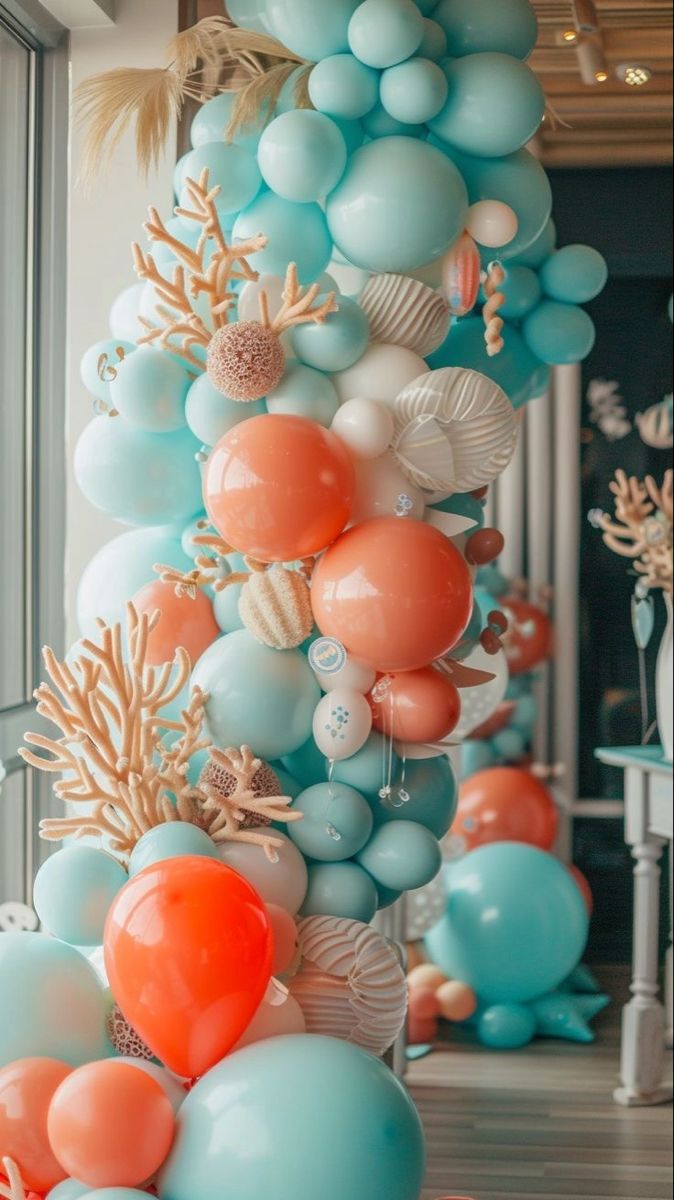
(150, 389)
(232, 168)
(522, 292)
(338, 342)
(120, 569)
(342, 889)
(559, 334)
(369, 769)
(302, 156)
(314, 31)
(210, 415)
(414, 92)
(343, 87)
(73, 891)
(475, 26)
(402, 855)
(574, 275)
(383, 33)
(424, 791)
(173, 839)
(336, 822)
(297, 233)
(100, 364)
(305, 392)
(495, 105)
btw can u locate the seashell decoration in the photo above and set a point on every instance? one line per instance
(455, 430)
(350, 984)
(275, 606)
(405, 312)
(461, 276)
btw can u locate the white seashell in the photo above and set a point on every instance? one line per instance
(455, 430)
(350, 984)
(406, 313)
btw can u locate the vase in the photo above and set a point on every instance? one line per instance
(663, 684)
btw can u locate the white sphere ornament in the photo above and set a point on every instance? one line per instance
(405, 312)
(342, 723)
(249, 297)
(352, 675)
(283, 882)
(478, 704)
(379, 374)
(492, 223)
(383, 489)
(365, 427)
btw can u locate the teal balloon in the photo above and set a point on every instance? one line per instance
(120, 569)
(297, 233)
(522, 292)
(69, 1189)
(51, 1002)
(288, 784)
(150, 391)
(512, 369)
(400, 204)
(495, 105)
(509, 744)
(338, 342)
(123, 318)
(574, 275)
(232, 168)
(305, 392)
(402, 855)
(541, 381)
(352, 132)
(212, 120)
(434, 45)
(187, 232)
(535, 255)
(506, 1026)
(135, 477)
(302, 155)
(191, 531)
(210, 415)
(380, 124)
(515, 924)
(73, 891)
(433, 794)
(312, 30)
(367, 770)
(475, 756)
(387, 897)
(427, 6)
(297, 1118)
(470, 635)
(115, 1193)
(526, 714)
(174, 839)
(100, 363)
(476, 26)
(257, 696)
(462, 505)
(340, 890)
(341, 86)
(307, 764)
(414, 91)
(559, 334)
(250, 14)
(383, 33)
(337, 822)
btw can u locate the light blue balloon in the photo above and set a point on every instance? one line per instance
(427, 6)
(73, 891)
(336, 343)
(69, 1189)
(506, 1027)
(402, 855)
(211, 123)
(304, 392)
(297, 233)
(434, 45)
(188, 232)
(380, 124)
(559, 334)
(431, 785)
(535, 255)
(123, 319)
(297, 1118)
(250, 14)
(574, 275)
(400, 205)
(226, 608)
(210, 415)
(367, 770)
(336, 825)
(495, 105)
(414, 91)
(352, 132)
(51, 1002)
(509, 745)
(340, 890)
(307, 764)
(120, 569)
(136, 477)
(474, 26)
(526, 714)
(475, 756)
(312, 30)
(341, 86)
(512, 369)
(522, 293)
(150, 390)
(302, 156)
(257, 696)
(515, 924)
(288, 784)
(232, 168)
(115, 1193)
(174, 839)
(100, 364)
(385, 32)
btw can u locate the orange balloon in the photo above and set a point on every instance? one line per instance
(585, 889)
(416, 706)
(529, 640)
(505, 804)
(188, 951)
(111, 1125)
(26, 1089)
(183, 621)
(395, 592)
(279, 488)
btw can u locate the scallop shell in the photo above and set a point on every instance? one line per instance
(405, 312)
(275, 606)
(350, 984)
(461, 272)
(455, 430)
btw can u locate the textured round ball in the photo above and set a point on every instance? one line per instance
(297, 234)
(559, 333)
(506, 1026)
(221, 783)
(338, 342)
(495, 105)
(337, 822)
(341, 86)
(314, 31)
(340, 890)
(473, 26)
(245, 361)
(302, 155)
(210, 415)
(414, 91)
(174, 839)
(385, 32)
(402, 855)
(230, 167)
(100, 364)
(304, 392)
(73, 891)
(574, 275)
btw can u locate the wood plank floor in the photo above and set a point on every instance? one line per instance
(540, 1124)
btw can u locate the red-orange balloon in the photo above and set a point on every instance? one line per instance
(279, 488)
(183, 621)
(188, 951)
(395, 592)
(111, 1125)
(26, 1089)
(417, 706)
(585, 889)
(529, 641)
(505, 804)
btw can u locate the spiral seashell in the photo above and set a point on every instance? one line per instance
(275, 606)
(461, 276)
(405, 312)
(350, 984)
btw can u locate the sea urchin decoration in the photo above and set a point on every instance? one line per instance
(240, 794)
(124, 1038)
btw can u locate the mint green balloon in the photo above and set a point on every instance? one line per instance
(312, 29)
(305, 392)
(522, 292)
(120, 569)
(150, 391)
(380, 124)
(226, 608)
(232, 168)
(73, 891)
(495, 105)
(307, 764)
(473, 26)
(414, 91)
(297, 233)
(559, 333)
(211, 123)
(302, 156)
(100, 364)
(174, 839)
(115, 1193)
(337, 822)
(69, 1189)
(341, 86)
(340, 890)
(402, 855)
(338, 342)
(250, 14)
(434, 45)
(574, 275)
(210, 415)
(385, 32)
(367, 771)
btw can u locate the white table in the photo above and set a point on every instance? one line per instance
(648, 827)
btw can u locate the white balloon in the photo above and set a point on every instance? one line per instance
(478, 704)
(381, 374)
(350, 280)
(174, 1091)
(353, 675)
(284, 882)
(249, 297)
(342, 723)
(492, 223)
(124, 314)
(383, 490)
(365, 427)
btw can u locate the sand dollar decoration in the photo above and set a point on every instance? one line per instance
(405, 312)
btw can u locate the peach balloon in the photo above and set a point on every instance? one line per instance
(456, 1001)
(183, 621)
(426, 976)
(505, 804)
(26, 1090)
(286, 938)
(279, 1015)
(424, 1004)
(420, 1032)
(417, 706)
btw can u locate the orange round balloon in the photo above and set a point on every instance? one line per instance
(183, 621)
(585, 889)
(111, 1125)
(529, 640)
(26, 1090)
(188, 951)
(416, 706)
(395, 592)
(279, 488)
(505, 804)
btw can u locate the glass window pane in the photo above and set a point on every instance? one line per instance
(13, 858)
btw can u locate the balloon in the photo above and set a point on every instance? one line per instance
(505, 804)
(119, 569)
(417, 706)
(302, 155)
(283, 883)
(475, 26)
(307, 764)
(205, 978)
(495, 105)
(530, 636)
(534, 934)
(230, 167)
(100, 365)
(212, 119)
(73, 891)
(297, 233)
(385, 32)
(574, 275)
(522, 292)
(337, 822)
(461, 270)
(423, 790)
(279, 488)
(51, 1003)
(342, 724)
(110, 1124)
(520, 182)
(492, 223)
(366, 771)
(395, 592)
(479, 703)
(304, 392)
(184, 620)
(513, 369)
(70, 1189)
(279, 1015)
(26, 1089)
(173, 839)
(384, 490)
(457, 1001)
(149, 391)
(559, 333)
(341, 86)
(210, 415)
(113, 1193)
(312, 31)
(123, 319)
(535, 255)
(338, 342)
(284, 932)
(296, 1137)
(340, 890)
(475, 756)
(484, 546)
(584, 888)
(334, 669)
(226, 603)
(414, 91)
(172, 1088)
(402, 855)
(423, 1004)
(506, 1026)
(380, 124)
(365, 427)
(381, 374)
(426, 977)
(434, 45)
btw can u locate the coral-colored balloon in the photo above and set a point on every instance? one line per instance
(420, 1032)
(530, 635)
(395, 592)
(279, 487)
(183, 621)
(416, 706)
(424, 1004)
(505, 804)
(585, 889)
(111, 1125)
(457, 1001)
(188, 951)
(26, 1089)
(426, 975)
(286, 939)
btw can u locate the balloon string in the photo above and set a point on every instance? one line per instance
(330, 828)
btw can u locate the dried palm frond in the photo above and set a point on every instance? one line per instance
(108, 104)
(258, 98)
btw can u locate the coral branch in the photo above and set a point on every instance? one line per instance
(642, 530)
(298, 306)
(16, 1189)
(235, 804)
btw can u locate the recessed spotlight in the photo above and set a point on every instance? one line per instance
(601, 76)
(570, 36)
(634, 75)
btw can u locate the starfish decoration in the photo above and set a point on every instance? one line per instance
(567, 1016)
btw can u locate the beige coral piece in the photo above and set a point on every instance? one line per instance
(219, 781)
(405, 312)
(275, 606)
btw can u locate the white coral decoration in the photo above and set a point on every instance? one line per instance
(607, 409)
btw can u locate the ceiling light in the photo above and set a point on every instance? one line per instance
(634, 75)
(601, 76)
(570, 36)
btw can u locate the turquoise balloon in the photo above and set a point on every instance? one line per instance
(414, 91)
(535, 255)
(475, 756)
(509, 745)
(367, 770)
(495, 105)
(51, 1002)
(559, 334)
(540, 381)
(522, 293)
(136, 477)
(340, 890)
(115, 1193)
(289, 785)
(512, 369)
(297, 1118)
(462, 505)
(212, 123)
(385, 32)
(257, 696)
(174, 839)
(341, 86)
(506, 1027)
(433, 794)
(307, 764)
(515, 924)
(312, 30)
(434, 45)
(475, 26)
(400, 204)
(297, 233)
(123, 318)
(337, 822)
(336, 343)
(120, 569)
(352, 132)
(187, 232)
(386, 897)
(302, 156)
(304, 392)
(69, 1189)
(73, 891)
(226, 608)
(470, 635)
(210, 415)
(427, 6)
(380, 124)
(150, 391)
(250, 14)
(574, 275)
(101, 363)
(232, 168)
(402, 855)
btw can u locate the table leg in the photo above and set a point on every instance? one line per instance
(669, 968)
